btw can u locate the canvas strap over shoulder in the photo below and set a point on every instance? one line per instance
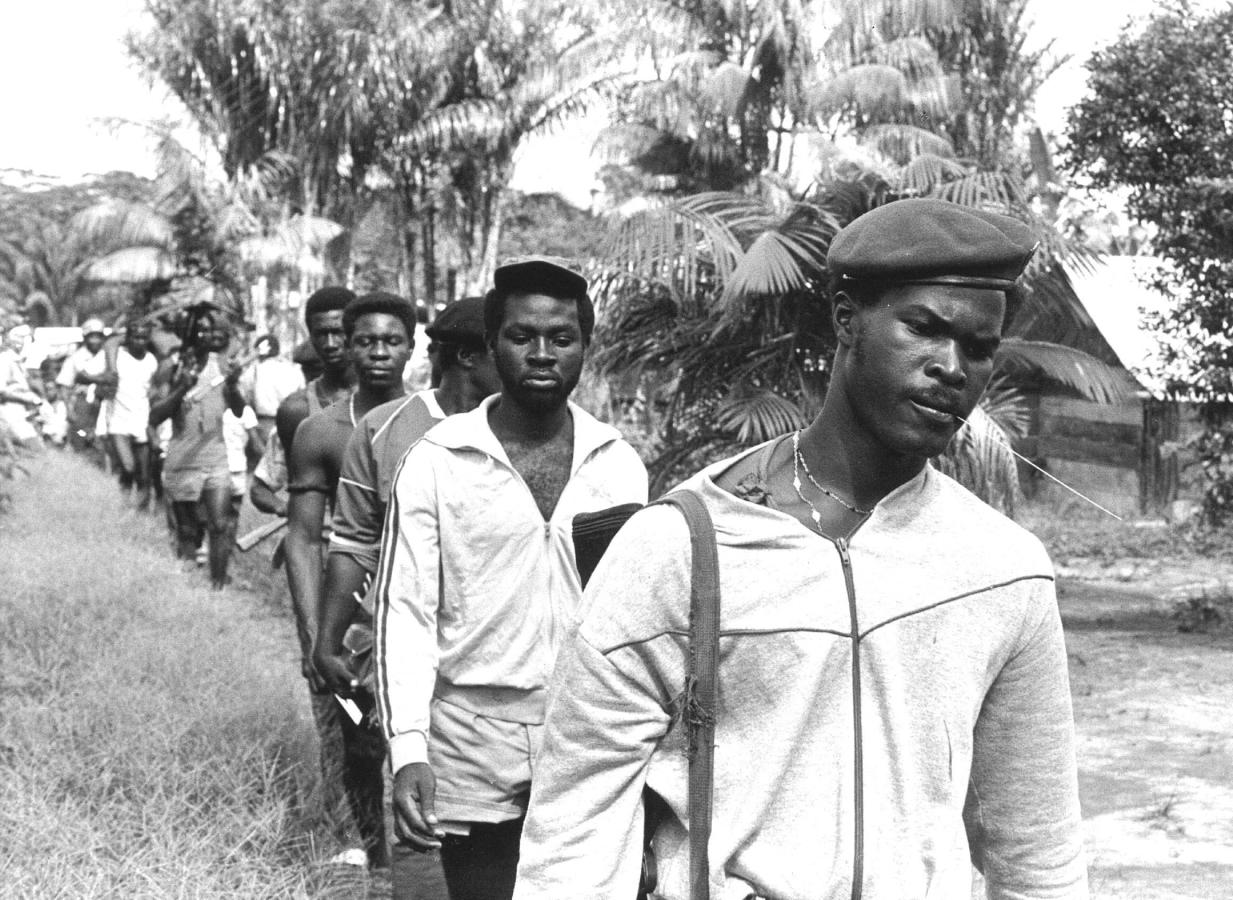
(701, 683)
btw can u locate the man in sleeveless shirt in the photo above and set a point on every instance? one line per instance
(378, 330)
(125, 416)
(477, 585)
(192, 393)
(323, 317)
(467, 375)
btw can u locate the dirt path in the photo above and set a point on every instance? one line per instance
(1155, 724)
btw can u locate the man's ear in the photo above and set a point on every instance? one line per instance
(465, 356)
(844, 311)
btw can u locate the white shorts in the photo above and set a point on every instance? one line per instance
(482, 765)
(120, 422)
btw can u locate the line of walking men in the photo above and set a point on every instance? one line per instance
(893, 695)
(484, 472)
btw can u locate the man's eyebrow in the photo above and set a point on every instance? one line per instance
(934, 319)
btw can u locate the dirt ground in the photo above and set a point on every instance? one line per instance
(1154, 712)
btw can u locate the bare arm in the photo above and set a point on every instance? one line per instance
(168, 392)
(270, 479)
(358, 514)
(291, 412)
(344, 582)
(266, 500)
(304, 547)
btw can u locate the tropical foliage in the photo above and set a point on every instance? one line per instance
(228, 232)
(1166, 141)
(418, 105)
(715, 303)
(45, 263)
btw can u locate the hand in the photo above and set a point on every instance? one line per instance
(234, 370)
(335, 672)
(186, 377)
(315, 682)
(415, 819)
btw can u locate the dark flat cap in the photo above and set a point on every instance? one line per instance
(928, 241)
(551, 275)
(460, 322)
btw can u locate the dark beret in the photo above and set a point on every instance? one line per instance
(549, 275)
(460, 322)
(928, 241)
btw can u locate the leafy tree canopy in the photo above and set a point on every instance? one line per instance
(1158, 122)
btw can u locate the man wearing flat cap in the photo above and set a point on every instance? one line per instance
(893, 703)
(477, 585)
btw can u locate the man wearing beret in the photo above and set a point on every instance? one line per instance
(893, 701)
(477, 585)
(467, 376)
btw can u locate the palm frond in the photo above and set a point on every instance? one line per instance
(466, 122)
(914, 56)
(723, 88)
(979, 457)
(757, 414)
(872, 90)
(984, 189)
(623, 141)
(119, 223)
(1066, 366)
(1008, 407)
(779, 261)
(928, 172)
(905, 143)
(133, 265)
(671, 245)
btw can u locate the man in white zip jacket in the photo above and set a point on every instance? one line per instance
(477, 586)
(893, 700)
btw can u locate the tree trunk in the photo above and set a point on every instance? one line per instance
(484, 236)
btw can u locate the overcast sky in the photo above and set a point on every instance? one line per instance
(64, 72)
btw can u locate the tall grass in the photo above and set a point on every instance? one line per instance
(154, 736)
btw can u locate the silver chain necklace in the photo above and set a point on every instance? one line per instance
(798, 463)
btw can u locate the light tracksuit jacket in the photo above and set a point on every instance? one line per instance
(891, 709)
(476, 592)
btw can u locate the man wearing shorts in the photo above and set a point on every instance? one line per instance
(193, 393)
(467, 376)
(477, 585)
(79, 378)
(124, 419)
(378, 330)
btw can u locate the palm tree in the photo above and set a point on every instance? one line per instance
(747, 82)
(509, 71)
(229, 232)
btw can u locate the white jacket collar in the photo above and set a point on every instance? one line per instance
(470, 431)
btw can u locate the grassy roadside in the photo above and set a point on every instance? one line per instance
(154, 736)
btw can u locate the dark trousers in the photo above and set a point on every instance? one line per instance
(482, 865)
(415, 875)
(352, 778)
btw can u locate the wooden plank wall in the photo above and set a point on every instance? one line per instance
(1128, 438)
(1081, 431)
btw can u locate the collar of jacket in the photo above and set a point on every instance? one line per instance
(898, 509)
(470, 431)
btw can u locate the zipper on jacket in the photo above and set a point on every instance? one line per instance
(858, 788)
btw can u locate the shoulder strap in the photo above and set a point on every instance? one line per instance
(701, 688)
